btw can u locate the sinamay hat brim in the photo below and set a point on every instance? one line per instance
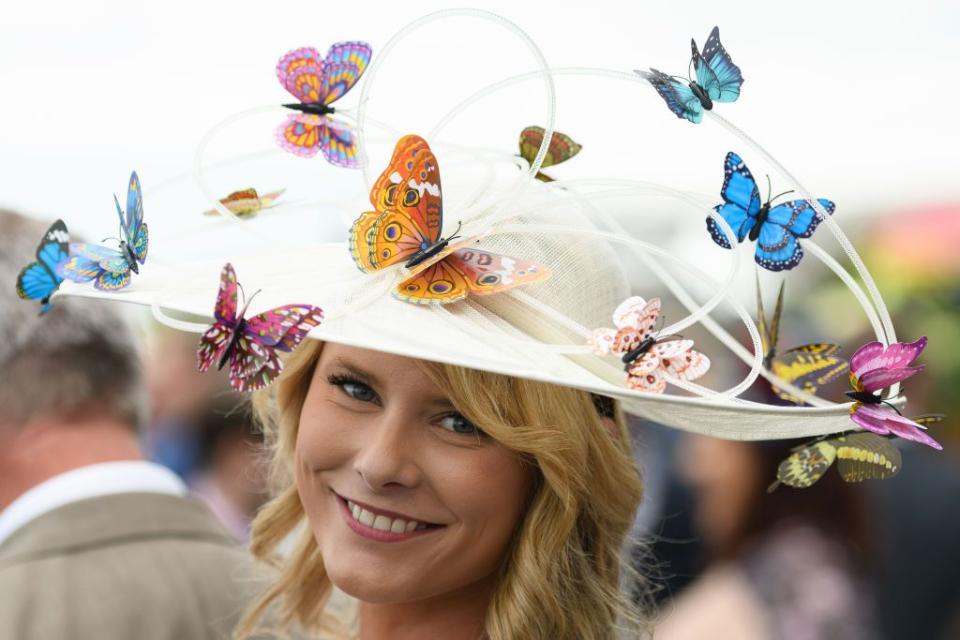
(536, 332)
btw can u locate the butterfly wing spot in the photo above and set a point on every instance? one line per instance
(440, 287)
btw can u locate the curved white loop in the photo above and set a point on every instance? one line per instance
(374, 68)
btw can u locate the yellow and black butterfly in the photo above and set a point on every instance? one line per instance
(808, 367)
(860, 456)
(562, 148)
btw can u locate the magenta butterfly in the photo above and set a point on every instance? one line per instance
(647, 360)
(251, 344)
(317, 83)
(874, 368)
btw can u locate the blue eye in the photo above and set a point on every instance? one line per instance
(458, 424)
(358, 391)
(354, 388)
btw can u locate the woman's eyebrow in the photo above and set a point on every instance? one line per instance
(357, 372)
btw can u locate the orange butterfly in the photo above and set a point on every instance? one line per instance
(406, 226)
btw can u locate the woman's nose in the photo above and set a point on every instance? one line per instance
(388, 455)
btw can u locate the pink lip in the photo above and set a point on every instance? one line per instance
(376, 534)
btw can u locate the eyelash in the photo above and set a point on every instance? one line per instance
(343, 381)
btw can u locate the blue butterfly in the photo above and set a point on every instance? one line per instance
(110, 268)
(775, 229)
(718, 80)
(38, 280)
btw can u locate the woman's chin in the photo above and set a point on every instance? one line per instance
(373, 587)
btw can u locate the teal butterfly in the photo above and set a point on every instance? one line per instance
(718, 80)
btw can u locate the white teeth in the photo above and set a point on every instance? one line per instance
(366, 517)
(381, 522)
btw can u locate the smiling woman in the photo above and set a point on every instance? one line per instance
(442, 502)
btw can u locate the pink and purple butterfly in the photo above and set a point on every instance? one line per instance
(317, 83)
(873, 368)
(251, 344)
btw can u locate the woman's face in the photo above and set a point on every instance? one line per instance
(406, 498)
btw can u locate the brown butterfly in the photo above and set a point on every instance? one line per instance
(562, 148)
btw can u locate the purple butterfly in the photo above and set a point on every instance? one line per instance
(251, 344)
(873, 368)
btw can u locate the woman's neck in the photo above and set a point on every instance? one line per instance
(457, 615)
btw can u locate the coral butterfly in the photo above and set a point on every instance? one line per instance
(406, 225)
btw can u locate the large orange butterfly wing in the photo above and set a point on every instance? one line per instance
(467, 270)
(408, 209)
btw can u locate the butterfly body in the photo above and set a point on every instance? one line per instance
(648, 361)
(39, 280)
(630, 356)
(775, 228)
(865, 397)
(426, 252)
(718, 79)
(251, 345)
(110, 268)
(316, 108)
(127, 252)
(240, 324)
(700, 93)
(317, 82)
(406, 227)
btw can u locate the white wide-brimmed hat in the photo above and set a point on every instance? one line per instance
(596, 241)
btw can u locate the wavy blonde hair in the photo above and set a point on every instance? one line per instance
(564, 574)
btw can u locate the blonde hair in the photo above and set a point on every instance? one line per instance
(564, 573)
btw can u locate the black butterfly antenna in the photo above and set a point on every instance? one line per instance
(892, 407)
(244, 294)
(456, 232)
(111, 238)
(770, 190)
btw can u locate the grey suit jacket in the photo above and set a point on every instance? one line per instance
(135, 566)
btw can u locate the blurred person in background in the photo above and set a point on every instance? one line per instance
(791, 564)
(95, 542)
(231, 480)
(179, 400)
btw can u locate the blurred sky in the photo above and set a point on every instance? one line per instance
(857, 97)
